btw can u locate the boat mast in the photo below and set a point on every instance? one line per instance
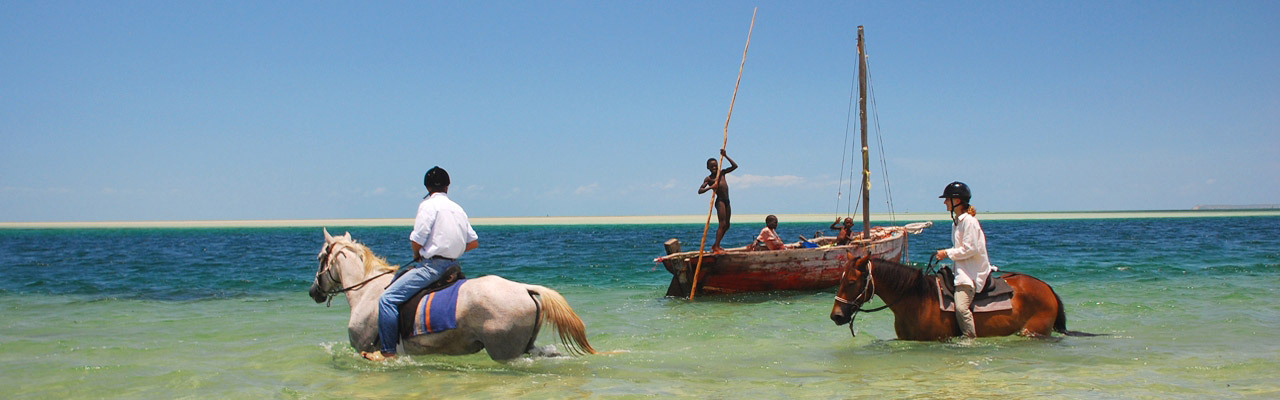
(862, 117)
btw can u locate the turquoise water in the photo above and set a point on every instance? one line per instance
(1190, 307)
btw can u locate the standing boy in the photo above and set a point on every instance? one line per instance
(717, 183)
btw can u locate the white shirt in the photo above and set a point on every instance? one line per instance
(441, 227)
(969, 252)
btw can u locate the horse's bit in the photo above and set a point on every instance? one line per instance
(869, 289)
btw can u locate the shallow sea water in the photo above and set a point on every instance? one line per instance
(1189, 308)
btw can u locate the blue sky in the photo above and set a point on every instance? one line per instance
(295, 110)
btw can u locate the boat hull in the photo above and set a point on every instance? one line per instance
(741, 270)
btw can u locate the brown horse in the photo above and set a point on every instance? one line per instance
(912, 296)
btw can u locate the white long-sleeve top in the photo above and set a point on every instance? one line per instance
(441, 227)
(969, 250)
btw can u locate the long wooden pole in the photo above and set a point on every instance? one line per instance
(862, 112)
(720, 170)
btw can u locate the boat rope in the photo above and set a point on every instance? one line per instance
(884, 166)
(855, 201)
(852, 206)
(720, 171)
(848, 122)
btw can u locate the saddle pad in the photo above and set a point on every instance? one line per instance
(998, 298)
(437, 312)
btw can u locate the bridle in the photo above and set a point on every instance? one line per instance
(868, 287)
(327, 260)
(868, 291)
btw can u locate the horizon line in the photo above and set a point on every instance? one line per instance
(639, 219)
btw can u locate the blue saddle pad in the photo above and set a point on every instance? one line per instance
(438, 311)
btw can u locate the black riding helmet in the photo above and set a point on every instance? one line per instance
(436, 177)
(956, 190)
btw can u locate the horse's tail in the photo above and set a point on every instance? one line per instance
(1060, 324)
(573, 333)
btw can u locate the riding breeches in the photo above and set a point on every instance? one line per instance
(964, 315)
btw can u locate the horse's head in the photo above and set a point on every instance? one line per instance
(329, 273)
(855, 288)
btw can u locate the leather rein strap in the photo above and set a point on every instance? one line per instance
(328, 260)
(870, 288)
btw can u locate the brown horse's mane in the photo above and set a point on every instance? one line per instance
(904, 279)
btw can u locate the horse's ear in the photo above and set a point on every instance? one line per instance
(327, 237)
(346, 235)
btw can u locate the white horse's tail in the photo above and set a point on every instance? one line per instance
(573, 334)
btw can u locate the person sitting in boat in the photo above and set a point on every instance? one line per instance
(717, 183)
(846, 231)
(969, 250)
(768, 238)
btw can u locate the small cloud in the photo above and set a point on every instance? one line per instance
(110, 191)
(376, 192)
(21, 190)
(552, 193)
(1210, 182)
(747, 180)
(588, 189)
(512, 193)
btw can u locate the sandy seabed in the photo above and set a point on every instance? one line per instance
(635, 220)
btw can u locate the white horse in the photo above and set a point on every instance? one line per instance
(497, 315)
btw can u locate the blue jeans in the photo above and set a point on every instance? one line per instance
(419, 275)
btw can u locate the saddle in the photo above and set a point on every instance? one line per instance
(995, 295)
(409, 309)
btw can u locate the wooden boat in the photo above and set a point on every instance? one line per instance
(797, 267)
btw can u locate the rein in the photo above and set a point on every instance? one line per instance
(330, 294)
(933, 262)
(868, 288)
